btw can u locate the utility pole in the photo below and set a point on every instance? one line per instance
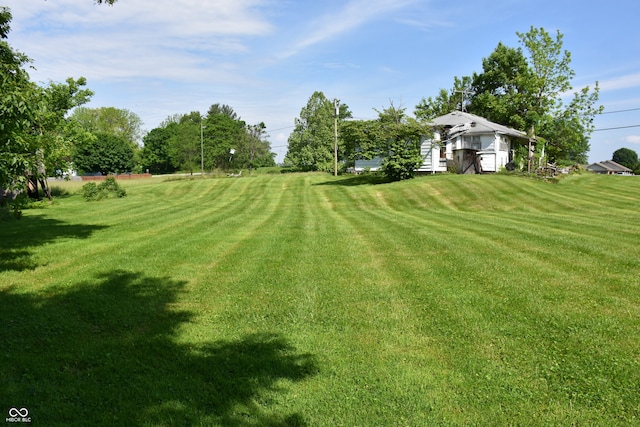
(335, 137)
(201, 149)
(463, 93)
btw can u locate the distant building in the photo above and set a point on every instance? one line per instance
(609, 167)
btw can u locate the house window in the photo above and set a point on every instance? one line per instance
(472, 142)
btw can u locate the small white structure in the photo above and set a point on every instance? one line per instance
(472, 144)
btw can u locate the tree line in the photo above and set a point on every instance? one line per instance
(182, 142)
(218, 140)
(522, 87)
(47, 131)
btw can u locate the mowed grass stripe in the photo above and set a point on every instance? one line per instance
(158, 243)
(318, 303)
(442, 324)
(483, 274)
(442, 300)
(359, 319)
(212, 226)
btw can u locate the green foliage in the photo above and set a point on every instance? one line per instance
(181, 140)
(107, 189)
(110, 120)
(223, 110)
(228, 132)
(626, 157)
(500, 91)
(57, 135)
(35, 136)
(18, 99)
(402, 137)
(523, 88)
(311, 144)
(154, 155)
(90, 191)
(11, 207)
(183, 143)
(446, 101)
(105, 154)
(394, 137)
(403, 160)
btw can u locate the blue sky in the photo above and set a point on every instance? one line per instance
(265, 58)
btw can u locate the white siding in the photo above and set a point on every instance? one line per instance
(488, 162)
(430, 152)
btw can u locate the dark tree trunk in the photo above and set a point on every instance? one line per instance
(32, 188)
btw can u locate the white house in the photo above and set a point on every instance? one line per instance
(472, 144)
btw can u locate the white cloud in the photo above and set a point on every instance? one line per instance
(181, 39)
(633, 139)
(168, 17)
(354, 14)
(621, 82)
(426, 25)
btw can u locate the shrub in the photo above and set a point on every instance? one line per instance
(108, 188)
(90, 191)
(403, 160)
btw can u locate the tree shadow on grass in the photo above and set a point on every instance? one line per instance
(364, 179)
(105, 352)
(18, 236)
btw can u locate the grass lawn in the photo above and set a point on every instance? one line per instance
(306, 299)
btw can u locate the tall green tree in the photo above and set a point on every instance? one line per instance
(117, 121)
(154, 156)
(35, 135)
(626, 157)
(568, 137)
(180, 140)
(311, 144)
(184, 145)
(105, 154)
(55, 134)
(18, 99)
(224, 110)
(501, 92)
(255, 150)
(224, 131)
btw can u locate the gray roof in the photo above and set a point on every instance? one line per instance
(477, 124)
(610, 166)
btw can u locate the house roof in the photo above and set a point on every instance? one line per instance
(471, 124)
(609, 166)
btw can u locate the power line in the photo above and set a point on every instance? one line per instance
(286, 127)
(620, 111)
(619, 127)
